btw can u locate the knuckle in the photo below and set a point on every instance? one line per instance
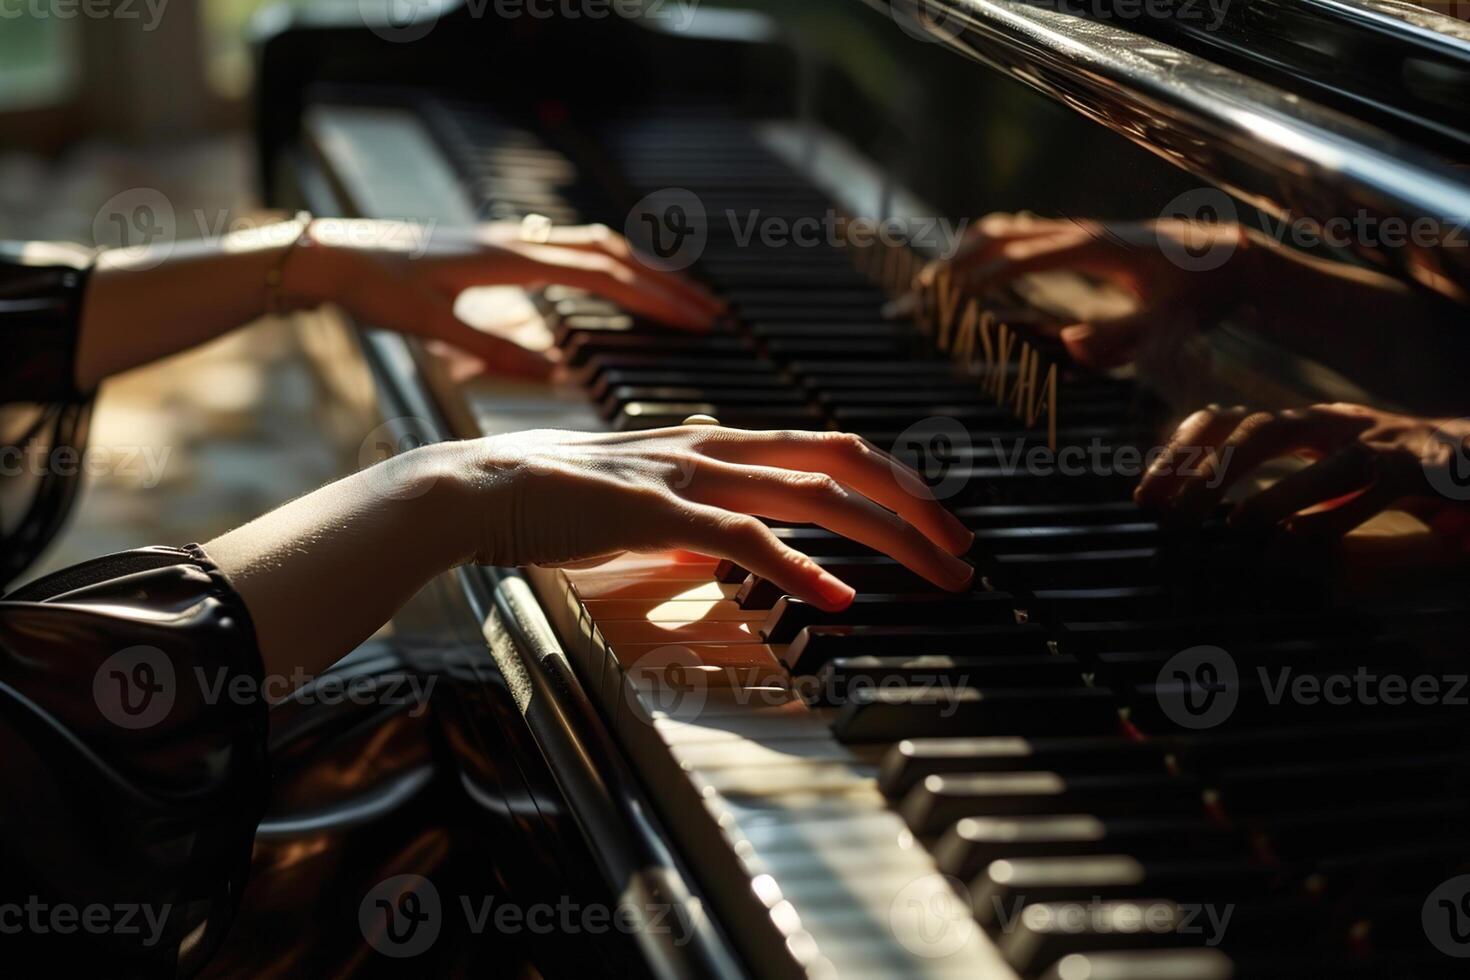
(1254, 424)
(746, 530)
(1201, 418)
(849, 442)
(816, 485)
(605, 265)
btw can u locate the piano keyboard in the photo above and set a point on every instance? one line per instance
(999, 783)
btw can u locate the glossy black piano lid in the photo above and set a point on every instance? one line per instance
(1094, 118)
(1404, 67)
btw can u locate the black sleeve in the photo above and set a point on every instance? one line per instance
(133, 764)
(40, 310)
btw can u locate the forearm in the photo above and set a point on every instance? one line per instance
(324, 571)
(138, 309)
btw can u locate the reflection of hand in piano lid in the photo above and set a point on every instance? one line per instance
(1105, 287)
(1366, 461)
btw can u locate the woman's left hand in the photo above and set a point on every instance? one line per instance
(405, 277)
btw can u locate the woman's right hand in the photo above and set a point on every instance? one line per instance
(548, 497)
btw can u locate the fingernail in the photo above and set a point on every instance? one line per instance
(835, 594)
(960, 573)
(1077, 332)
(961, 538)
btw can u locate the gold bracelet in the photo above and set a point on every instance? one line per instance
(275, 276)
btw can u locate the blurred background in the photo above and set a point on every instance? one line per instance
(106, 97)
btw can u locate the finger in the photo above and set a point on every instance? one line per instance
(1196, 435)
(632, 286)
(983, 242)
(857, 463)
(746, 541)
(984, 239)
(1334, 522)
(1346, 471)
(603, 240)
(1111, 342)
(405, 306)
(1076, 249)
(1259, 438)
(815, 498)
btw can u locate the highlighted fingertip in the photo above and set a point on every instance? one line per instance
(835, 594)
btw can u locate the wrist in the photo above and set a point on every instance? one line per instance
(466, 488)
(317, 271)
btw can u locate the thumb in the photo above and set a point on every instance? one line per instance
(400, 304)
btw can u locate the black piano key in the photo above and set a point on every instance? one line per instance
(1337, 655)
(910, 761)
(1188, 964)
(890, 713)
(1296, 836)
(1044, 932)
(790, 348)
(1058, 605)
(846, 330)
(916, 371)
(653, 415)
(1065, 537)
(816, 645)
(1179, 630)
(1209, 752)
(789, 616)
(1002, 884)
(972, 843)
(1303, 786)
(749, 364)
(935, 804)
(729, 572)
(877, 573)
(839, 677)
(1003, 484)
(816, 541)
(789, 309)
(900, 419)
(606, 381)
(728, 275)
(570, 330)
(586, 346)
(726, 399)
(1071, 569)
(982, 516)
(761, 301)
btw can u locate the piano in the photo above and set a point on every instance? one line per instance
(1085, 767)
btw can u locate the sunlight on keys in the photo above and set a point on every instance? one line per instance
(679, 612)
